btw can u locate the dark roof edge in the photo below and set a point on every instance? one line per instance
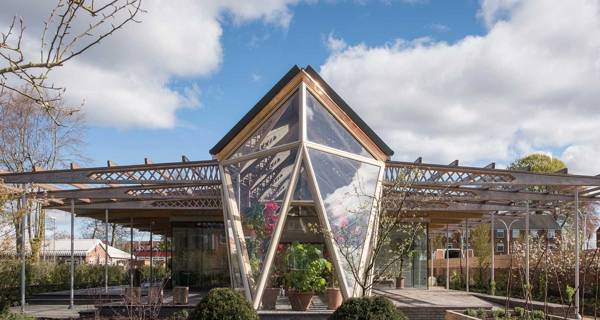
(278, 87)
(255, 110)
(348, 110)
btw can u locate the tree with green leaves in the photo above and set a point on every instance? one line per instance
(538, 162)
(480, 240)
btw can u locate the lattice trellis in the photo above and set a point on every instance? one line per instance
(180, 174)
(187, 190)
(201, 203)
(443, 176)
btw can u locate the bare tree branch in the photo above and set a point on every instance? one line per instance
(63, 38)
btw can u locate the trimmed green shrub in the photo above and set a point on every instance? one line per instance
(5, 314)
(223, 304)
(498, 314)
(538, 315)
(519, 311)
(368, 308)
(470, 312)
(480, 313)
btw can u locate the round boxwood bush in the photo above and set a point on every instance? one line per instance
(368, 308)
(224, 304)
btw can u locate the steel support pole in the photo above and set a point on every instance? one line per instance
(151, 257)
(467, 251)
(106, 250)
(447, 258)
(23, 254)
(72, 269)
(577, 252)
(493, 247)
(431, 255)
(527, 249)
(131, 252)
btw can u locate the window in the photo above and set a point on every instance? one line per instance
(551, 234)
(516, 233)
(499, 233)
(500, 247)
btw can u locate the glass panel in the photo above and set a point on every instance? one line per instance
(234, 257)
(302, 190)
(324, 128)
(300, 227)
(347, 188)
(404, 257)
(259, 187)
(200, 255)
(280, 128)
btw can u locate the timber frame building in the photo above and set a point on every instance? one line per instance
(301, 157)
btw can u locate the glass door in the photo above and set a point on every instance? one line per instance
(200, 255)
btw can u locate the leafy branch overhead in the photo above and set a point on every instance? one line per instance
(72, 28)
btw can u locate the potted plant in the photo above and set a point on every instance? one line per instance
(333, 293)
(270, 295)
(306, 274)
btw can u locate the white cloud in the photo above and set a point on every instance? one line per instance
(125, 80)
(530, 83)
(335, 44)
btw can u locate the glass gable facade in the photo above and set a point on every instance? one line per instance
(320, 193)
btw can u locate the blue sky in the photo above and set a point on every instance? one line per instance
(257, 54)
(476, 80)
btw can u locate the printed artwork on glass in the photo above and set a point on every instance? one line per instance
(323, 128)
(302, 189)
(280, 128)
(259, 187)
(347, 188)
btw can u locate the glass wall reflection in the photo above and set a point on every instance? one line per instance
(200, 255)
(259, 187)
(347, 188)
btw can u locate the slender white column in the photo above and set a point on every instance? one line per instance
(72, 270)
(22, 208)
(493, 245)
(151, 257)
(467, 251)
(447, 253)
(431, 255)
(106, 250)
(527, 248)
(131, 252)
(577, 252)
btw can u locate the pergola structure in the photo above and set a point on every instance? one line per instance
(298, 146)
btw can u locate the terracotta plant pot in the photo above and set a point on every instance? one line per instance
(400, 283)
(269, 298)
(300, 301)
(334, 298)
